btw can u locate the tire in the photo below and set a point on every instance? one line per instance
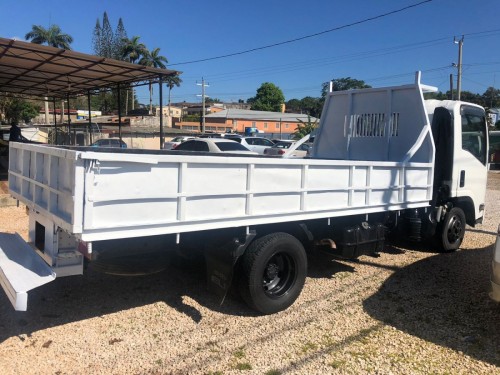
(273, 272)
(452, 230)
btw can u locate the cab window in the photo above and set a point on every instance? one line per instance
(474, 132)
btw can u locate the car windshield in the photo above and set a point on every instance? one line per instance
(230, 146)
(177, 139)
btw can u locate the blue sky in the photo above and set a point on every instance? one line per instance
(383, 52)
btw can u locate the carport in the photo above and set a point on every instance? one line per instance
(30, 71)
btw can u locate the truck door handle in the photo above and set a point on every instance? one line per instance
(462, 178)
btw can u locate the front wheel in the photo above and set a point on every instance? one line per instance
(452, 230)
(273, 272)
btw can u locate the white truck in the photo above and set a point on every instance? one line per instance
(383, 160)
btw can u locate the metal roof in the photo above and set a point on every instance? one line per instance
(28, 69)
(245, 114)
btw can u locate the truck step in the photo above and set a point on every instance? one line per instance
(21, 269)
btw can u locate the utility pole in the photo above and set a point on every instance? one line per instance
(460, 43)
(203, 85)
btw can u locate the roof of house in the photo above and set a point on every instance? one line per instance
(28, 69)
(245, 114)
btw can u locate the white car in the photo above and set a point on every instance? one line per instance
(280, 148)
(214, 145)
(257, 144)
(174, 142)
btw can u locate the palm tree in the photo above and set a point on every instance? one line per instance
(305, 127)
(132, 51)
(52, 36)
(172, 81)
(153, 59)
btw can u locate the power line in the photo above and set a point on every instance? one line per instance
(306, 36)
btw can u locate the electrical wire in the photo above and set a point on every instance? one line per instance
(304, 37)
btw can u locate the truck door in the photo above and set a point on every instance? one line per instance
(470, 159)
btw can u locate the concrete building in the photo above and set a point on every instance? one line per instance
(240, 120)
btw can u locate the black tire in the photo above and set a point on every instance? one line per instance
(273, 272)
(452, 230)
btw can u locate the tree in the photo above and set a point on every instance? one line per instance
(153, 59)
(491, 97)
(304, 128)
(132, 51)
(96, 39)
(52, 36)
(107, 37)
(17, 110)
(342, 84)
(172, 81)
(119, 39)
(269, 98)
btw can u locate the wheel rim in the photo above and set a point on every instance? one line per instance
(279, 275)
(455, 229)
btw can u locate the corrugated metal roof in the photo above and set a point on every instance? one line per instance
(29, 69)
(245, 114)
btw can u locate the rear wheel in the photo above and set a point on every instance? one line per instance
(452, 230)
(273, 272)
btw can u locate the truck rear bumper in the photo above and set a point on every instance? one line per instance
(21, 270)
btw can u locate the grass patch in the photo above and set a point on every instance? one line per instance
(273, 372)
(337, 363)
(308, 346)
(240, 353)
(243, 366)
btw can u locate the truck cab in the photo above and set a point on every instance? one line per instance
(460, 136)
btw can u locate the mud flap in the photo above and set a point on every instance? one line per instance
(220, 259)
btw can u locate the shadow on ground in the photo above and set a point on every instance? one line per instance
(444, 299)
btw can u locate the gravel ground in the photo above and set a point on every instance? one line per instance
(410, 311)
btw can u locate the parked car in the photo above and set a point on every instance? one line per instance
(109, 142)
(257, 144)
(214, 145)
(174, 142)
(280, 148)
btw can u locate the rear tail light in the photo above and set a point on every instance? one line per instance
(281, 152)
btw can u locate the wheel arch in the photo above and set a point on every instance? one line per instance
(466, 204)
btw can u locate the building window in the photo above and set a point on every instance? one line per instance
(265, 125)
(253, 124)
(286, 126)
(277, 125)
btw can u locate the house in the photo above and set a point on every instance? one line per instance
(238, 120)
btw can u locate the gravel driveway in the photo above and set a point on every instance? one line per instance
(410, 311)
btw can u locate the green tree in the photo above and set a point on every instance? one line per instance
(107, 37)
(132, 51)
(269, 98)
(119, 39)
(304, 128)
(17, 110)
(172, 81)
(52, 36)
(491, 97)
(96, 39)
(153, 59)
(342, 84)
